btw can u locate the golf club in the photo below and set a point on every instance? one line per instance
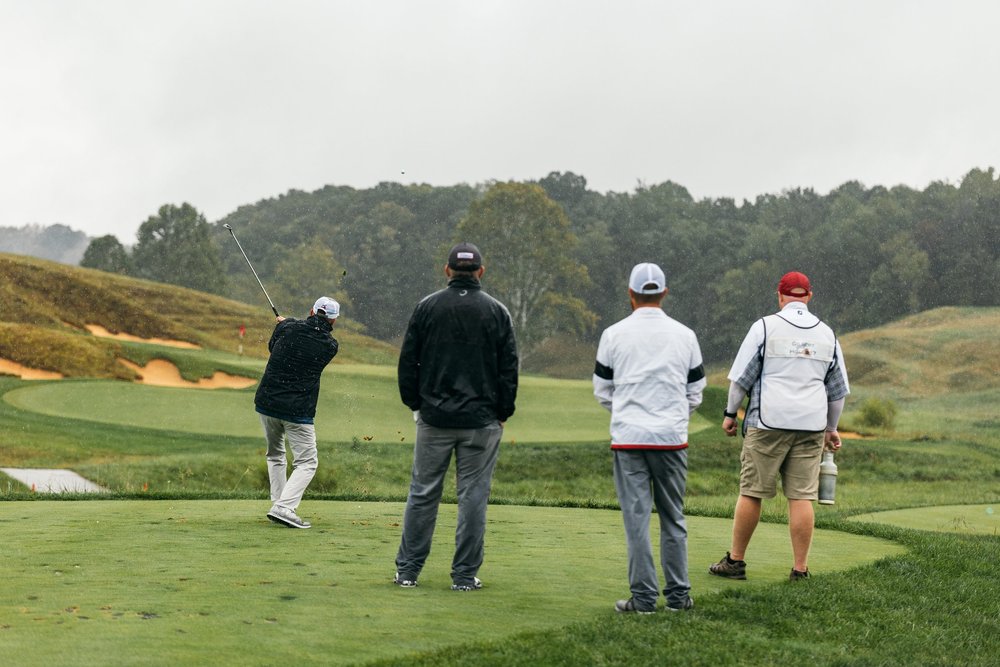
(252, 269)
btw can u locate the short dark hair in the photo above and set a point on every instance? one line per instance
(648, 299)
(461, 273)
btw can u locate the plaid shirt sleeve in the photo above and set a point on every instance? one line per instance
(748, 378)
(836, 383)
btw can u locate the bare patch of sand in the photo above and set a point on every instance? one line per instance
(13, 368)
(162, 373)
(101, 332)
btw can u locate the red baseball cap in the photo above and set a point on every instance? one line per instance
(794, 283)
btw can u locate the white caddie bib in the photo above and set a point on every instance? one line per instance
(796, 361)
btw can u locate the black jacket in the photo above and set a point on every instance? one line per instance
(458, 363)
(300, 350)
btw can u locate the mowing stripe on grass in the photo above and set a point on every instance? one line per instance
(191, 582)
(354, 404)
(968, 519)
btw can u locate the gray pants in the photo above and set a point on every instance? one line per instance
(475, 457)
(287, 493)
(643, 477)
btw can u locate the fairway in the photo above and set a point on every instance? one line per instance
(198, 582)
(357, 402)
(967, 519)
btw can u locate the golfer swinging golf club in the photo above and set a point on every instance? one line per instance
(286, 401)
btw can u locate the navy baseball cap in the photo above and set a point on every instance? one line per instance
(464, 257)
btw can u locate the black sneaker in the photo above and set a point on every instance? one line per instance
(798, 576)
(729, 568)
(404, 582)
(684, 606)
(474, 586)
(629, 607)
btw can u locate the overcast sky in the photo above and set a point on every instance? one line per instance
(112, 108)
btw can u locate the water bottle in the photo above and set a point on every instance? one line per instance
(827, 479)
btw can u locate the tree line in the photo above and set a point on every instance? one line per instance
(558, 254)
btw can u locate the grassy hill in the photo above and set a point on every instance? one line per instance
(45, 308)
(939, 351)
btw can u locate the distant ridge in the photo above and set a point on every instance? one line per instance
(58, 243)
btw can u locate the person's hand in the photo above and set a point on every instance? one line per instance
(279, 319)
(729, 425)
(831, 440)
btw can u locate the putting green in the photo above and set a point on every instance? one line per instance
(356, 402)
(969, 519)
(198, 582)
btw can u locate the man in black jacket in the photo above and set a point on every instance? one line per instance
(458, 373)
(286, 400)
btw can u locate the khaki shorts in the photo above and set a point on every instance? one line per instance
(795, 455)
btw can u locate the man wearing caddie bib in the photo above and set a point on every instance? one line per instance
(792, 367)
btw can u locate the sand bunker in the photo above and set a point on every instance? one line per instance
(8, 367)
(162, 373)
(101, 332)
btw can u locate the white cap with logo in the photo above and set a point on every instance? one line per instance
(329, 306)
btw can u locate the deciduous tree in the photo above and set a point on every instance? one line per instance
(106, 253)
(175, 246)
(527, 248)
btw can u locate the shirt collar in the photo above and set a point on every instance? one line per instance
(797, 305)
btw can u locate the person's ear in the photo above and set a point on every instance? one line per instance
(482, 270)
(447, 271)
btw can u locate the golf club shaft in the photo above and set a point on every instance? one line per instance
(238, 245)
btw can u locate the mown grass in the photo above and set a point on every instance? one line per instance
(212, 582)
(176, 442)
(937, 605)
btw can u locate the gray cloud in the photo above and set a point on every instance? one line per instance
(115, 107)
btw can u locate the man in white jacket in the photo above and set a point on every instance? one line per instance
(792, 366)
(649, 374)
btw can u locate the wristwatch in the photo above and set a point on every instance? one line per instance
(731, 415)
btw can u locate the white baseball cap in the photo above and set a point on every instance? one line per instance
(328, 306)
(647, 278)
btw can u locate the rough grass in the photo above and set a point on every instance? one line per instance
(938, 351)
(57, 301)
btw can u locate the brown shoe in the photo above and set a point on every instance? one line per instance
(798, 576)
(729, 568)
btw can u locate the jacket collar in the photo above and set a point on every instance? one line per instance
(464, 283)
(320, 323)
